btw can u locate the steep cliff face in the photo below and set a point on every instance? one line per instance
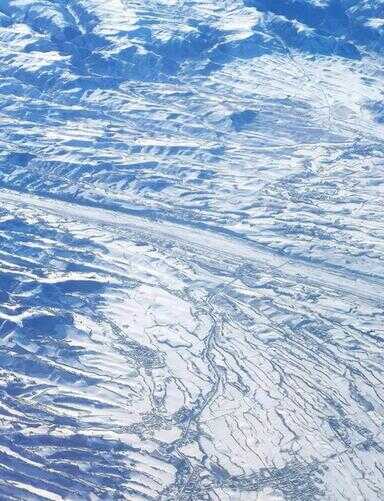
(191, 249)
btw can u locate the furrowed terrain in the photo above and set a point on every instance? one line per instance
(191, 250)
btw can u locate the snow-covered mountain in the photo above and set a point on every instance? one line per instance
(191, 249)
